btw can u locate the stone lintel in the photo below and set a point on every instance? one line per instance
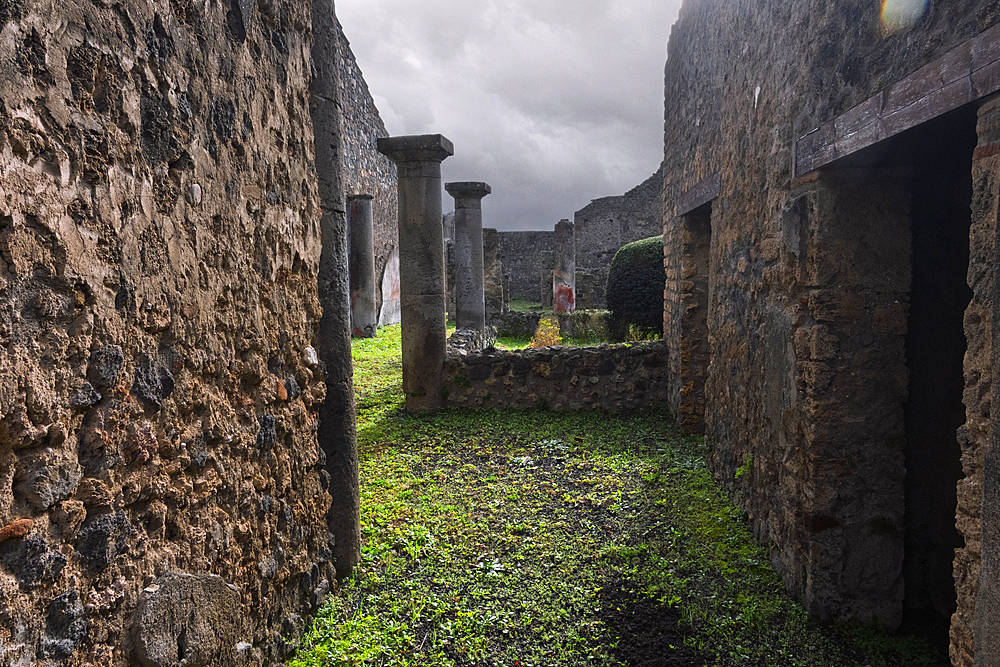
(361, 196)
(468, 189)
(416, 148)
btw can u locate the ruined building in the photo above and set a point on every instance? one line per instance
(605, 225)
(601, 228)
(176, 416)
(830, 203)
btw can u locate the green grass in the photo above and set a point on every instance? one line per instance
(525, 306)
(542, 538)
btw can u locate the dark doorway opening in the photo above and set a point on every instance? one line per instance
(940, 154)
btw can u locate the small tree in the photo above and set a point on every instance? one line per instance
(635, 290)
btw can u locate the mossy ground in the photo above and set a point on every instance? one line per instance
(543, 538)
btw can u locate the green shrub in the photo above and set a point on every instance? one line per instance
(635, 290)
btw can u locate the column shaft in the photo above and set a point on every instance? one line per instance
(469, 290)
(564, 276)
(363, 317)
(421, 264)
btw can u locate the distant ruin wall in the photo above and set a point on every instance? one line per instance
(604, 226)
(605, 378)
(525, 257)
(159, 231)
(366, 171)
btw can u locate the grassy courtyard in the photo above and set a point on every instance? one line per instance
(538, 538)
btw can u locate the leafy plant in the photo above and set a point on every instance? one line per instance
(635, 290)
(547, 333)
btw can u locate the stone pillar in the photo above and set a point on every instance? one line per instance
(448, 223)
(564, 276)
(337, 434)
(421, 264)
(493, 274)
(469, 295)
(363, 316)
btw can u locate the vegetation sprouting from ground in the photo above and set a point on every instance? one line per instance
(543, 538)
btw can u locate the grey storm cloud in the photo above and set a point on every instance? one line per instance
(552, 102)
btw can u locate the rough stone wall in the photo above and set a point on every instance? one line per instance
(808, 307)
(604, 226)
(493, 283)
(525, 255)
(606, 378)
(159, 230)
(978, 445)
(366, 171)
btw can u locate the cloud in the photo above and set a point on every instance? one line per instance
(553, 103)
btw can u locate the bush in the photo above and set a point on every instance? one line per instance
(635, 290)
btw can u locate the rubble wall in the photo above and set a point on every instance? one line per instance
(606, 378)
(808, 284)
(159, 230)
(525, 256)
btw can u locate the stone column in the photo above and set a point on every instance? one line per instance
(492, 274)
(564, 276)
(337, 434)
(469, 295)
(359, 215)
(421, 264)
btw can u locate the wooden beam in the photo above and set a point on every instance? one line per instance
(965, 74)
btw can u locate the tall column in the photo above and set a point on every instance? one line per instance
(469, 294)
(421, 264)
(337, 434)
(359, 213)
(564, 276)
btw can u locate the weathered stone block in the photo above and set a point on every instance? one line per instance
(188, 619)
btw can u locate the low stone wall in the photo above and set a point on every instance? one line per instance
(608, 378)
(579, 323)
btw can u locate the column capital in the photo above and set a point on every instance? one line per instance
(416, 148)
(475, 189)
(361, 196)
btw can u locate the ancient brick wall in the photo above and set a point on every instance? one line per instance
(525, 257)
(805, 289)
(366, 171)
(159, 230)
(606, 378)
(604, 226)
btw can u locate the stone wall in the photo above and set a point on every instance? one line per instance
(796, 322)
(366, 171)
(606, 378)
(160, 237)
(604, 226)
(526, 256)
(493, 271)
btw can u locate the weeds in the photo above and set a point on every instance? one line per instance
(557, 539)
(547, 333)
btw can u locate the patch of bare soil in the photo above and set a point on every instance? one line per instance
(648, 634)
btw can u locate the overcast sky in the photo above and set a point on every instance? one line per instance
(552, 102)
